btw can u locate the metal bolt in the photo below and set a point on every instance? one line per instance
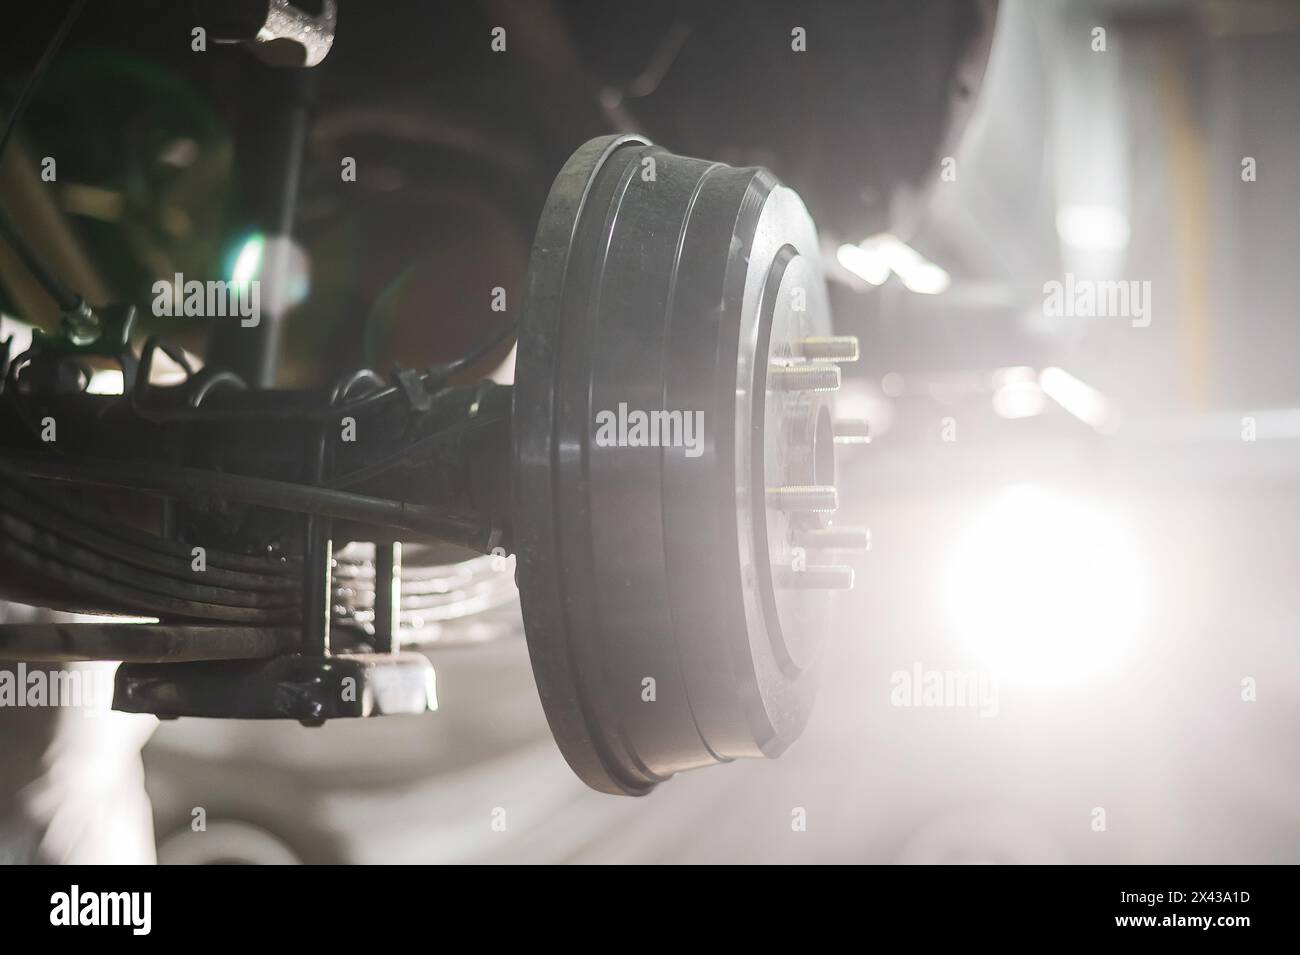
(805, 377)
(829, 348)
(82, 325)
(821, 498)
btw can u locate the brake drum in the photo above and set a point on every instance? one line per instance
(674, 463)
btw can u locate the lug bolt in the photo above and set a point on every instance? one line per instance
(819, 498)
(805, 377)
(830, 348)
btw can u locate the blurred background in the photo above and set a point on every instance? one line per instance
(1095, 513)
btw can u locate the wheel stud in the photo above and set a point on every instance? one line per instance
(817, 498)
(830, 348)
(805, 377)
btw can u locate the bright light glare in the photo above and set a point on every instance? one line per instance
(1079, 398)
(1045, 588)
(874, 258)
(1016, 393)
(1019, 399)
(865, 264)
(1092, 228)
(106, 381)
(249, 261)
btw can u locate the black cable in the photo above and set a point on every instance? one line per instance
(344, 386)
(440, 373)
(190, 483)
(68, 300)
(433, 378)
(386, 464)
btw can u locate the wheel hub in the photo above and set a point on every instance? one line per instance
(674, 594)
